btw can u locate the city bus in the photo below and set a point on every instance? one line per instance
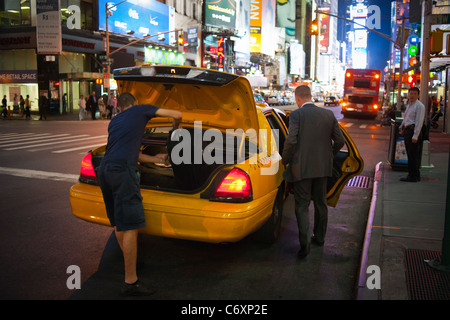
(361, 92)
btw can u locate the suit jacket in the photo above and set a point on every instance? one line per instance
(314, 139)
(91, 104)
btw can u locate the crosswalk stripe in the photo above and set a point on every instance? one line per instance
(52, 143)
(79, 148)
(42, 136)
(37, 174)
(363, 126)
(42, 140)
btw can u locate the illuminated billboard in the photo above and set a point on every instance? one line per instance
(262, 24)
(220, 13)
(129, 18)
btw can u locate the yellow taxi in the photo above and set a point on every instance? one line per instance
(224, 180)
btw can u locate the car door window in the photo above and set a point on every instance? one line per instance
(278, 133)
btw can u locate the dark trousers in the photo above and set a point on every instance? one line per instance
(304, 191)
(413, 153)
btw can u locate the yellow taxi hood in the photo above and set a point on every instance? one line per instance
(218, 99)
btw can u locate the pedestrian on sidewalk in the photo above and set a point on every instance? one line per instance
(27, 107)
(91, 105)
(4, 107)
(43, 103)
(82, 105)
(119, 179)
(314, 139)
(16, 103)
(22, 106)
(411, 129)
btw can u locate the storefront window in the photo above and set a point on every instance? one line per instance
(15, 13)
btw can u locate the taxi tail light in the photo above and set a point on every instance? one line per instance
(87, 171)
(234, 187)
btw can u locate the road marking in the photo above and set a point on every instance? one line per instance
(65, 136)
(37, 174)
(52, 143)
(363, 126)
(386, 227)
(8, 143)
(79, 148)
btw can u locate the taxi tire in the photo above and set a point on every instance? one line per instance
(270, 231)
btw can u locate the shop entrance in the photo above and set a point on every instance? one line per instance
(73, 86)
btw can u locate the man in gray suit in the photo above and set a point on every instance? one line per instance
(314, 139)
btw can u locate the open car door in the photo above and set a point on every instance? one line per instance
(347, 164)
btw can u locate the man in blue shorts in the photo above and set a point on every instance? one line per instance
(119, 179)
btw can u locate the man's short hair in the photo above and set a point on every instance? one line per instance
(126, 99)
(414, 89)
(303, 91)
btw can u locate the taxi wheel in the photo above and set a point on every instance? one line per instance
(270, 231)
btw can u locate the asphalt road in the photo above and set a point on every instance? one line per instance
(41, 238)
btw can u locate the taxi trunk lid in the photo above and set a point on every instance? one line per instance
(220, 100)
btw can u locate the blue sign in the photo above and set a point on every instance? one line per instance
(131, 19)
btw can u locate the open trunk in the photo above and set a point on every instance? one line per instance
(192, 162)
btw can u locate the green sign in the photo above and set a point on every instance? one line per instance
(413, 50)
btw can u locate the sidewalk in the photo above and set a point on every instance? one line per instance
(406, 227)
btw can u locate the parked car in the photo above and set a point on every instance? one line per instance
(331, 100)
(273, 101)
(240, 193)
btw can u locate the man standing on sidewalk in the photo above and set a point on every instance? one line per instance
(411, 129)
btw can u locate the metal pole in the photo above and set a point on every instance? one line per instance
(108, 62)
(400, 70)
(425, 51)
(316, 58)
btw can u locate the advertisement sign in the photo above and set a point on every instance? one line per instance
(262, 24)
(220, 13)
(48, 27)
(255, 25)
(192, 36)
(128, 18)
(324, 32)
(18, 76)
(242, 41)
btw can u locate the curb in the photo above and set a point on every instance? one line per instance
(362, 293)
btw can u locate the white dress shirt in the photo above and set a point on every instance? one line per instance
(414, 114)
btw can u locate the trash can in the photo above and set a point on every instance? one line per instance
(397, 156)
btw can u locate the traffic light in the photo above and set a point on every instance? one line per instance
(437, 41)
(315, 27)
(181, 39)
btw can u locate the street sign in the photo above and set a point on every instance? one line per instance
(106, 77)
(440, 19)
